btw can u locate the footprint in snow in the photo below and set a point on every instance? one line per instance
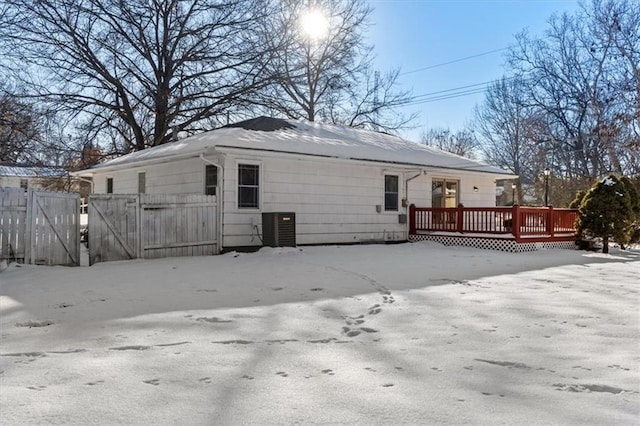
(37, 388)
(63, 305)
(349, 332)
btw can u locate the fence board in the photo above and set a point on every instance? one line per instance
(123, 226)
(39, 227)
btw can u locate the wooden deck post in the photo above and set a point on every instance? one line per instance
(550, 222)
(515, 221)
(412, 219)
(460, 218)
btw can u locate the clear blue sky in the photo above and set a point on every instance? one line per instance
(414, 34)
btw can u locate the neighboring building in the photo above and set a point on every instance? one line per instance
(31, 177)
(345, 185)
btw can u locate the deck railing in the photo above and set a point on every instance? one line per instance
(524, 223)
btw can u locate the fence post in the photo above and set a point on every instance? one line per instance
(460, 218)
(515, 221)
(412, 219)
(29, 247)
(550, 222)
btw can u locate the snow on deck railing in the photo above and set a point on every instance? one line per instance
(521, 222)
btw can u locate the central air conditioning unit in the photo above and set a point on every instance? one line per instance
(279, 229)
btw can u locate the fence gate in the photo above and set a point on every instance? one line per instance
(113, 227)
(151, 226)
(39, 227)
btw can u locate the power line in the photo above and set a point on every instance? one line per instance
(453, 61)
(470, 89)
(445, 97)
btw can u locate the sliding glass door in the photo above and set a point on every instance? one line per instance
(444, 193)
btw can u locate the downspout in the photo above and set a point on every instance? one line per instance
(219, 199)
(406, 194)
(89, 181)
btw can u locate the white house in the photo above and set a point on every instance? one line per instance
(344, 185)
(13, 176)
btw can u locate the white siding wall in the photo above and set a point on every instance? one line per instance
(419, 189)
(334, 201)
(14, 181)
(177, 177)
(486, 195)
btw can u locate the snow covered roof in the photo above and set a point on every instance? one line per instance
(20, 171)
(309, 138)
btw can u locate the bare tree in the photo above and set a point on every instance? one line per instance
(573, 75)
(328, 75)
(618, 23)
(462, 142)
(20, 130)
(130, 72)
(510, 134)
(373, 102)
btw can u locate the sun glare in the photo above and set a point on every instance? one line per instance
(314, 24)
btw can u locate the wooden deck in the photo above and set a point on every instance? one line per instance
(522, 224)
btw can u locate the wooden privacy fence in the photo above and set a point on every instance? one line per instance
(130, 226)
(524, 223)
(39, 227)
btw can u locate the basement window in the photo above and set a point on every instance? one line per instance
(248, 186)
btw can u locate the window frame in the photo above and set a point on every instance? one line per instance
(258, 186)
(208, 185)
(444, 182)
(24, 184)
(108, 185)
(397, 193)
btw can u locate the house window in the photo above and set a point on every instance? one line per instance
(24, 183)
(210, 179)
(391, 193)
(248, 186)
(444, 193)
(142, 182)
(110, 185)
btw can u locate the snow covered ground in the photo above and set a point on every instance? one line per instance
(399, 334)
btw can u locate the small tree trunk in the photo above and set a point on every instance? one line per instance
(605, 245)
